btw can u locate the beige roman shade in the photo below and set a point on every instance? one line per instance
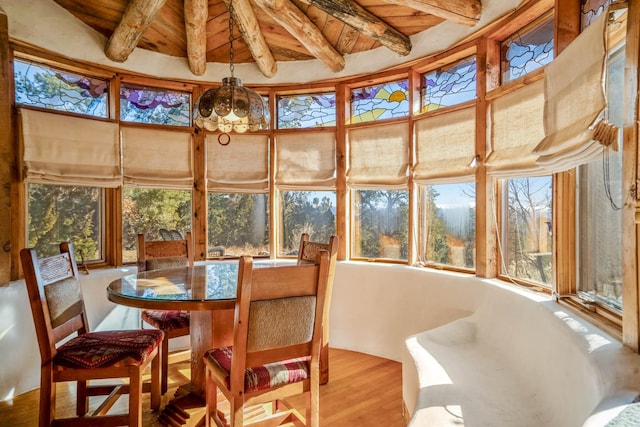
(515, 129)
(445, 145)
(157, 158)
(575, 129)
(240, 167)
(378, 156)
(306, 160)
(60, 149)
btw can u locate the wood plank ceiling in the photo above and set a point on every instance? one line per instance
(265, 31)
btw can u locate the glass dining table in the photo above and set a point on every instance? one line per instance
(208, 292)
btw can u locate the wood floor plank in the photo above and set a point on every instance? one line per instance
(363, 391)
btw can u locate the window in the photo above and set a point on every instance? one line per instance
(46, 87)
(57, 213)
(599, 201)
(380, 224)
(384, 101)
(311, 212)
(448, 225)
(154, 106)
(527, 50)
(306, 111)
(449, 85)
(526, 229)
(589, 10)
(147, 211)
(238, 224)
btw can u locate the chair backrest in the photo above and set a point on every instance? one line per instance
(308, 251)
(165, 234)
(279, 313)
(55, 297)
(157, 254)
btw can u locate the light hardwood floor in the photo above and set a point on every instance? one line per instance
(363, 391)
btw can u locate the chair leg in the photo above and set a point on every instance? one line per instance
(157, 373)
(82, 399)
(165, 363)
(135, 396)
(47, 397)
(313, 398)
(211, 399)
(236, 411)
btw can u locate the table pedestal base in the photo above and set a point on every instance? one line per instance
(184, 409)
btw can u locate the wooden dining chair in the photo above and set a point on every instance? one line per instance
(308, 254)
(155, 255)
(58, 312)
(279, 313)
(308, 250)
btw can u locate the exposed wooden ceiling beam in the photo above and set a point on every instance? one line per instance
(302, 28)
(253, 37)
(136, 18)
(465, 12)
(357, 17)
(196, 13)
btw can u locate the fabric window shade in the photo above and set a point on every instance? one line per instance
(575, 99)
(157, 158)
(516, 128)
(59, 149)
(240, 167)
(445, 145)
(378, 156)
(306, 160)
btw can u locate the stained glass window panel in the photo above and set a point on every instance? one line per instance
(155, 106)
(449, 85)
(385, 101)
(527, 50)
(306, 111)
(590, 9)
(46, 87)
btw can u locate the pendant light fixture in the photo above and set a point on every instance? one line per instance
(231, 107)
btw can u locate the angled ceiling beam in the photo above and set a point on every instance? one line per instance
(253, 37)
(196, 13)
(302, 28)
(354, 15)
(136, 18)
(465, 12)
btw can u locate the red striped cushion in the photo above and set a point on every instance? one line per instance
(264, 376)
(166, 320)
(102, 349)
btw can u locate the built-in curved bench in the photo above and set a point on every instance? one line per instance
(479, 352)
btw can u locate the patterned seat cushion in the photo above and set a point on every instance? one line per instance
(103, 349)
(264, 376)
(166, 320)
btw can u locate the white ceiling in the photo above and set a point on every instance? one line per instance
(43, 23)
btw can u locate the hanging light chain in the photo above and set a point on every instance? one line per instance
(231, 37)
